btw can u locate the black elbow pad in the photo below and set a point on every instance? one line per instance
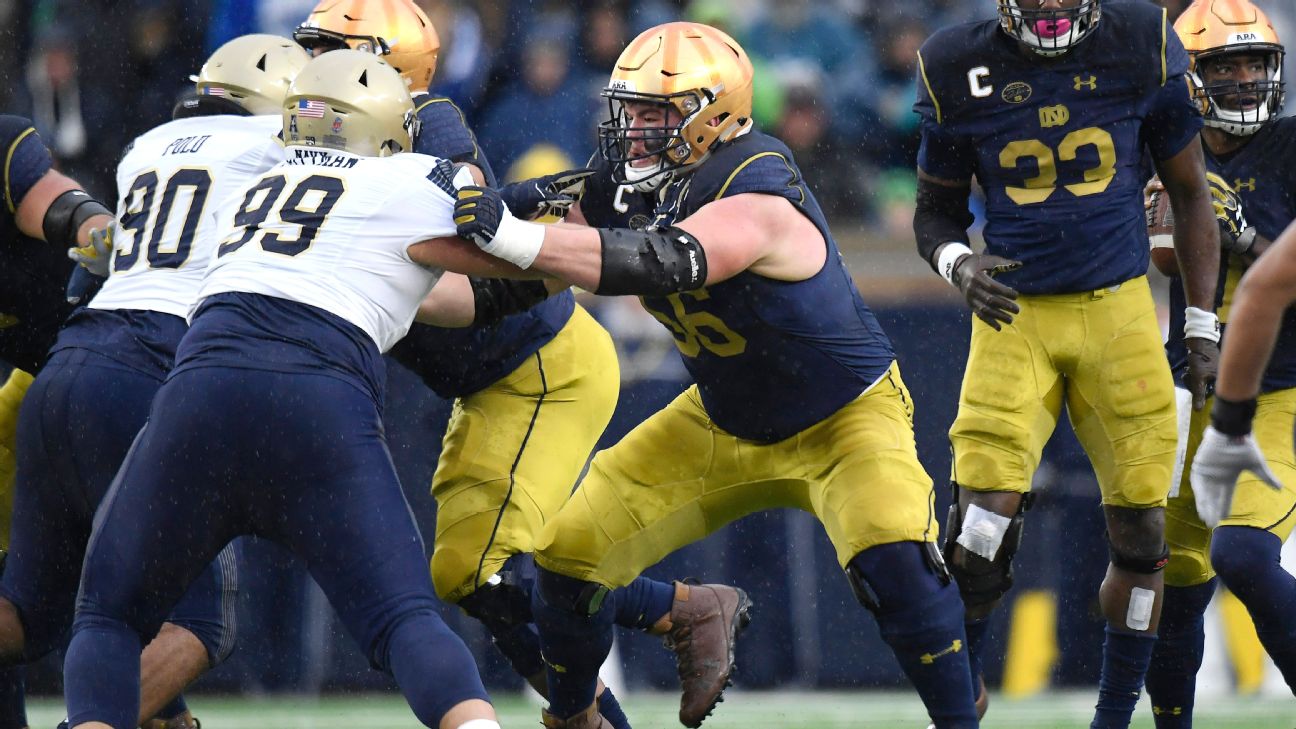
(650, 262)
(941, 215)
(67, 213)
(496, 298)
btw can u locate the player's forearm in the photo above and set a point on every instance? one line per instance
(572, 253)
(941, 216)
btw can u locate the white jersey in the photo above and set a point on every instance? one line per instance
(171, 180)
(333, 230)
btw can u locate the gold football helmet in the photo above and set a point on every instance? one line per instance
(701, 73)
(1211, 29)
(397, 30)
(1049, 32)
(253, 71)
(351, 101)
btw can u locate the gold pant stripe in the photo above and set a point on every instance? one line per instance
(513, 452)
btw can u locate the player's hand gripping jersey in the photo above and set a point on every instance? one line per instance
(1057, 144)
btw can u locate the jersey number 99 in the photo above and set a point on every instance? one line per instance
(308, 215)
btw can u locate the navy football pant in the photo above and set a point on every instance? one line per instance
(76, 424)
(299, 459)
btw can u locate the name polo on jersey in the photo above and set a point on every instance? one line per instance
(333, 230)
(171, 181)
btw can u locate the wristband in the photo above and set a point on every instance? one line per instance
(948, 258)
(1233, 417)
(1199, 324)
(516, 241)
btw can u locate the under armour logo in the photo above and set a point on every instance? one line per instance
(1091, 83)
(1249, 185)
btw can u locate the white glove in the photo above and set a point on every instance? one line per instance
(96, 256)
(1220, 460)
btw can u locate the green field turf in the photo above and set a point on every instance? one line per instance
(837, 710)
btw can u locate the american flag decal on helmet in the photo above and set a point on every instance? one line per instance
(310, 108)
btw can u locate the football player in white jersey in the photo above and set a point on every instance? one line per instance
(89, 401)
(87, 404)
(270, 421)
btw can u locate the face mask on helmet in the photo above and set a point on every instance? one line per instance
(319, 40)
(1049, 32)
(1240, 108)
(645, 155)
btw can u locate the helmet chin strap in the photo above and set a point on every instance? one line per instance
(646, 179)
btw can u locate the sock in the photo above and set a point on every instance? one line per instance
(13, 697)
(1247, 560)
(643, 602)
(432, 666)
(1125, 662)
(574, 645)
(101, 673)
(976, 632)
(1181, 638)
(921, 618)
(175, 707)
(611, 710)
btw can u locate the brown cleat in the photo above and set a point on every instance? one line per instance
(702, 629)
(183, 721)
(587, 719)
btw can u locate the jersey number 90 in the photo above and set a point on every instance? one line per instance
(139, 207)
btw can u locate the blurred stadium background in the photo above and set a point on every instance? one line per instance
(834, 81)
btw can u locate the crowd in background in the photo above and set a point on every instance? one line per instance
(835, 78)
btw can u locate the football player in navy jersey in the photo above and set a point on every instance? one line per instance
(1051, 108)
(798, 402)
(533, 390)
(41, 205)
(1236, 78)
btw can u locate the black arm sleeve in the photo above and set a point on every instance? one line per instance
(496, 298)
(66, 215)
(940, 216)
(654, 262)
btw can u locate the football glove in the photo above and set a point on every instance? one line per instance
(548, 195)
(1236, 235)
(990, 300)
(1203, 365)
(97, 254)
(481, 217)
(1220, 460)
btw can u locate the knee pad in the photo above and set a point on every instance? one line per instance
(504, 602)
(570, 594)
(889, 575)
(1143, 564)
(983, 580)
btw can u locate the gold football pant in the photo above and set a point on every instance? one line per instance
(678, 477)
(1254, 503)
(513, 452)
(11, 397)
(1100, 353)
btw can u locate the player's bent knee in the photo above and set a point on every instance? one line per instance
(979, 549)
(1136, 538)
(894, 577)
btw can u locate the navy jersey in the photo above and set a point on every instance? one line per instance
(1263, 173)
(607, 204)
(458, 362)
(771, 358)
(33, 273)
(1057, 144)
